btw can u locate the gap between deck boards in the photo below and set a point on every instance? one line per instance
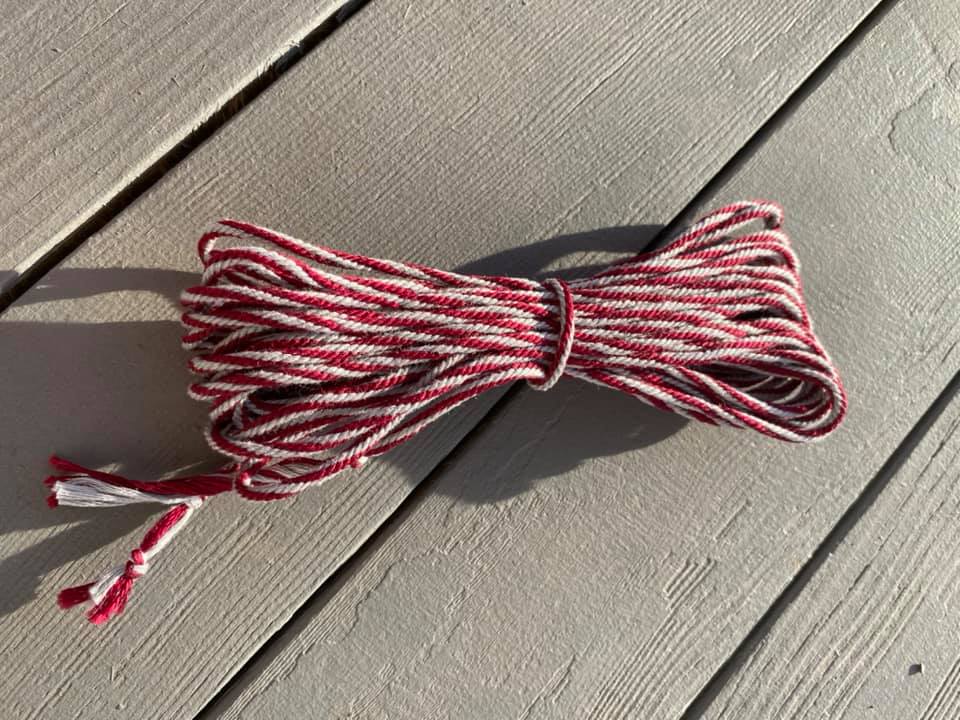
(298, 602)
(860, 505)
(126, 196)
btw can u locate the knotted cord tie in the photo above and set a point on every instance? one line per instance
(314, 360)
(564, 345)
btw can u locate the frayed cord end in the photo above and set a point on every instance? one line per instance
(88, 491)
(72, 596)
(78, 486)
(109, 594)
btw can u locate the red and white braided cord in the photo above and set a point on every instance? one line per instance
(314, 360)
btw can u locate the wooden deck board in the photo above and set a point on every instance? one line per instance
(561, 566)
(458, 135)
(95, 92)
(874, 632)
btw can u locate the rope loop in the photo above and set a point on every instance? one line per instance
(314, 360)
(565, 336)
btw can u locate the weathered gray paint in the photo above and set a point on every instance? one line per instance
(458, 134)
(95, 91)
(587, 557)
(874, 633)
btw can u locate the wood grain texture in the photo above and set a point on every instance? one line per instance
(585, 556)
(95, 91)
(874, 632)
(456, 134)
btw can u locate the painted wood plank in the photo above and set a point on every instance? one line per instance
(455, 134)
(875, 631)
(95, 91)
(585, 556)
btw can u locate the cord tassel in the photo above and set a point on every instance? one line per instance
(314, 360)
(108, 596)
(71, 596)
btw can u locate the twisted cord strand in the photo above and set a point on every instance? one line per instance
(314, 360)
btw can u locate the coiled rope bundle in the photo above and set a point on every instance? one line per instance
(314, 360)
